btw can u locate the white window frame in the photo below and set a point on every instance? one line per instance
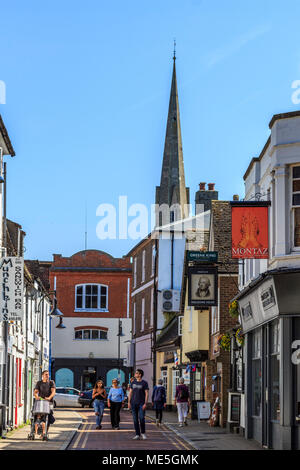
(143, 265)
(153, 260)
(143, 315)
(98, 309)
(164, 377)
(294, 248)
(180, 325)
(175, 380)
(134, 272)
(151, 307)
(134, 318)
(90, 339)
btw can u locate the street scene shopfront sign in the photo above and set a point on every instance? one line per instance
(249, 230)
(203, 286)
(11, 284)
(204, 256)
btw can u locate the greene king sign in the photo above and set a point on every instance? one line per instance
(11, 285)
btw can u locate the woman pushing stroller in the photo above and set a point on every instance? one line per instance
(45, 389)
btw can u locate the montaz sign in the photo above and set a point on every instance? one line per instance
(249, 230)
(11, 282)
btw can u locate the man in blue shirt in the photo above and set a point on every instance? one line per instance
(137, 402)
(115, 400)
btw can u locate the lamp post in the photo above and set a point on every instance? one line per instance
(120, 333)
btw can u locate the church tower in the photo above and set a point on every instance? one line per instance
(172, 190)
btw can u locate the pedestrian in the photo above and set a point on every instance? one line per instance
(46, 389)
(99, 396)
(137, 402)
(159, 400)
(115, 401)
(182, 400)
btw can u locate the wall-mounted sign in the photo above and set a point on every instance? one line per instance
(204, 256)
(203, 286)
(268, 298)
(247, 311)
(11, 284)
(249, 230)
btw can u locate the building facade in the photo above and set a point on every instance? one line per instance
(93, 293)
(269, 298)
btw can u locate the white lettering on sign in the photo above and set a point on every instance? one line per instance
(11, 282)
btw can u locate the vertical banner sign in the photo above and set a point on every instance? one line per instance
(249, 231)
(11, 282)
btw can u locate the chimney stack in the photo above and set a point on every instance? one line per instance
(236, 197)
(203, 197)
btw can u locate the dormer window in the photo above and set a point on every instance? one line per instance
(91, 297)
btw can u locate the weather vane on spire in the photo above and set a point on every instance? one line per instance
(174, 57)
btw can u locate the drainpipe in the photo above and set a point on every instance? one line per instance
(155, 313)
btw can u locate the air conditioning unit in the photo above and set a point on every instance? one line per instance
(169, 300)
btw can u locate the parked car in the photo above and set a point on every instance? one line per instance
(66, 396)
(85, 397)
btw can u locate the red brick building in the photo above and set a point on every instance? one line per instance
(93, 293)
(218, 365)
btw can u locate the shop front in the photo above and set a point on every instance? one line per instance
(270, 315)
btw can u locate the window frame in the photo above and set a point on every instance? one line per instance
(83, 308)
(90, 338)
(293, 208)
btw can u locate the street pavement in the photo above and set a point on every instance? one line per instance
(204, 437)
(88, 438)
(75, 429)
(66, 423)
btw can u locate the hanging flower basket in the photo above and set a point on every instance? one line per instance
(234, 309)
(225, 341)
(240, 338)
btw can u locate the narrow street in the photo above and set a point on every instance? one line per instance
(88, 438)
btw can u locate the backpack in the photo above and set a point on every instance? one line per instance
(159, 394)
(183, 393)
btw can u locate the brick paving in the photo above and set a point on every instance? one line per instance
(204, 437)
(66, 423)
(88, 438)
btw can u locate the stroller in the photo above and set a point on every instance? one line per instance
(40, 407)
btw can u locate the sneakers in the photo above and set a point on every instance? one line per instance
(157, 422)
(185, 422)
(99, 427)
(135, 438)
(144, 437)
(180, 425)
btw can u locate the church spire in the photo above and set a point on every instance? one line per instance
(172, 189)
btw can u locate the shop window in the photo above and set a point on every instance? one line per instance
(91, 297)
(256, 374)
(275, 371)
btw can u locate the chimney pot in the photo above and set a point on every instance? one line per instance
(211, 186)
(236, 197)
(202, 186)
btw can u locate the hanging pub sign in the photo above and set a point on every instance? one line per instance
(203, 286)
(11, 285)
(249, 229)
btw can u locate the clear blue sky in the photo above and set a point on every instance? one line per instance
(88, 87)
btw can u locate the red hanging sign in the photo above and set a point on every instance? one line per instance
(249, 230)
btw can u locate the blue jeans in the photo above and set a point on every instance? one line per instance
(99, 406)
(138, 415)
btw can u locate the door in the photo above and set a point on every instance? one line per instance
(296, 379)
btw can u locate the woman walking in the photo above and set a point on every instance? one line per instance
(99, 395)
(182, 400)
(159, 400)
(115, 401)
